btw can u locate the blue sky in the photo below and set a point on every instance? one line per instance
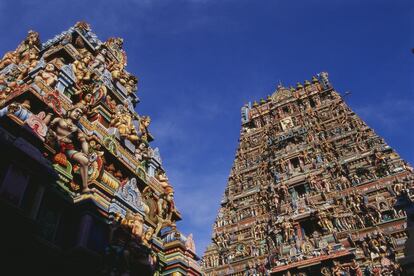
(199, 61)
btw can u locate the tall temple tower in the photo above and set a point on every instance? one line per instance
(82, 192)
(312, 191)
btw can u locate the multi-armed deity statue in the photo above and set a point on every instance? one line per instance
(74, 95)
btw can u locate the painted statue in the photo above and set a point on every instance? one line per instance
(64, 132)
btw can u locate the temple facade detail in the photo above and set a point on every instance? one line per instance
(77, 163)
(313, 191)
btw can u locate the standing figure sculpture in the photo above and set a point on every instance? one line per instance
(165, 210)
(64, 132)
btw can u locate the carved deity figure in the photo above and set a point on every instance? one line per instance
(122, 120)
(110, 103)
(115, 44)
(131, 84)
(48, 75)
(287, 230)
(80, 68)
(99, 63)
(30, 61)
(148, 237)
(24, 50)
(86, 101)
(64, 132)
(190, 243)
(143, 127)
(124, 250)
(142, 152)
(324, 221)
(32, 41)
(165, 209)
(135, 224)
(379, 158)
(337, 269)
(116, 69)
(163, 179)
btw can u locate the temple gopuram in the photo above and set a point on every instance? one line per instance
(313, 191)
(82, 192)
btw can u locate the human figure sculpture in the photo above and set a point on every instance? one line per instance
(48, 75)
(135, 224)
(99, 89)
(163, 179)
(30, 61)
(287, 230)
(148, 237)
(143, 127)
(80, 68)
(8, 58)
(190, 243)
(86, 100)
(325, 222)
(378, 158)
(110, 103)
(116, 69)
(122, 120)
(64, 132)
(32, 41)
(99, 62)
(141, 152)
(337, 269)
(131, 84)
(165, 209)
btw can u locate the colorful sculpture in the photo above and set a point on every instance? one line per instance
(63, 132)
(312, 191)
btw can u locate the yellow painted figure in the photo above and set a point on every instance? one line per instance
(64, 132)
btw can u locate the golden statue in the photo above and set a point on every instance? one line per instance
(80, 68)
(122, 120)
(165, 209)
(131, 84)
(29, 61)
(23, 51)
(143, 127)
(48, 75)
(163, 179)
(116, 69)
(32, 41)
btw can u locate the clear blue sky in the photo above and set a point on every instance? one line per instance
(199, 61)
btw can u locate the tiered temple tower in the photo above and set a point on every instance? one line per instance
(312, 191)
(82, 192)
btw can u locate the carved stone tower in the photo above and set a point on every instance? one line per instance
(81, 188)
(312, 191)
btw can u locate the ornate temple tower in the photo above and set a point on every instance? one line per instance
(81, 188)
(312, 191)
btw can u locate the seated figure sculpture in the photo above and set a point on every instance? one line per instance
(48, 75)
(122, 120)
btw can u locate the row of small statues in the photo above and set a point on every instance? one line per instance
(362, 216)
